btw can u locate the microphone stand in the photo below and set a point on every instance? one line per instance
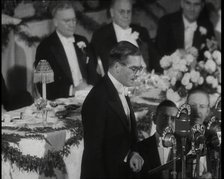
(183, 156)
(197, 169)
(174, 173)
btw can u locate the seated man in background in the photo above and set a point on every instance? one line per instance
(152, 149)
(67, 53)
(198, 99)
(104, 39)
(184, 28)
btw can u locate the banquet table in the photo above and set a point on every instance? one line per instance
(54, 140)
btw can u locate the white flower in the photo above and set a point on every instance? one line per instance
(203, 30)
(215, 83)
(173, 81)
(193, 51)
(186, 78)
(195, 75)
(210, 66)
(81, 44)
(135, 35)
(201, 80)
(171, 95)
(189, 59)
(189, 86)
(217, 56)
(207, 54)
(209, 79)
(201, 64)
(165, 62)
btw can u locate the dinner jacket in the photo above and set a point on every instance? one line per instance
(52, 50)
(148, 149)
(170, 33)
(104, 39)
(107, 137)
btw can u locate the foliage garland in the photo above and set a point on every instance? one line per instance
(53, 159)
(46, 164)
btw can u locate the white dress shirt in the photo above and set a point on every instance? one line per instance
(124, 34)
(164, 152)
(189, 29)
(68, 45)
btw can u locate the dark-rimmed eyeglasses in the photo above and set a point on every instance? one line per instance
(134, 69)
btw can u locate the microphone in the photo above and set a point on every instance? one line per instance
(182, 124)
(168, 138)
(198, 138)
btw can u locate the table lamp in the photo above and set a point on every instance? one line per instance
(44, 74)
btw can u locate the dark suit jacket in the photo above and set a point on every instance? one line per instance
(147, 148)
(170, 33)
(107, 138)
(104, 39)
(51, 49)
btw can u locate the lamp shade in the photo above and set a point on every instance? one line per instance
(43, 72)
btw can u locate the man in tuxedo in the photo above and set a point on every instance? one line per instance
(184, 28)
(120, 29)
(67, 53)
(152, 148)
(109, 121)
(198, 99)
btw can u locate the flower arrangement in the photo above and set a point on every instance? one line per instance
(184, 72)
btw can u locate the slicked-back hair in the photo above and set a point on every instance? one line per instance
(59, 5)
(112, 2)
(165, 103)
(198, 90)
(121, 51)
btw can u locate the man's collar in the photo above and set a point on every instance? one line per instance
(189, 24)
(120, 29)
(65, 39)
(119, 87)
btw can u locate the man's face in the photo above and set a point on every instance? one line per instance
(191, 9)
(121, 13)
(65, 21)
(199, 103)
(128, 72)
(166, 117)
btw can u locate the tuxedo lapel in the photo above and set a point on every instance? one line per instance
(197, 39)
(115, 103)
(156, 157)
(81, 58)
(112, 36)
(60, 56)
(178, 32)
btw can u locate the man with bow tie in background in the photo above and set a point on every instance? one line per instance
(184, 28)
(120, 29)
(67, 53)
(108, 119)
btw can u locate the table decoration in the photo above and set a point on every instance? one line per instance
(53, 159)
(185, 71)
(44, 74)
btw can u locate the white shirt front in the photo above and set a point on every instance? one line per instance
(164, 152)
(70, 52)
(124, 34)
(189, 29)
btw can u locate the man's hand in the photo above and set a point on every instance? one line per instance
(136, 162)
(206, 175)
